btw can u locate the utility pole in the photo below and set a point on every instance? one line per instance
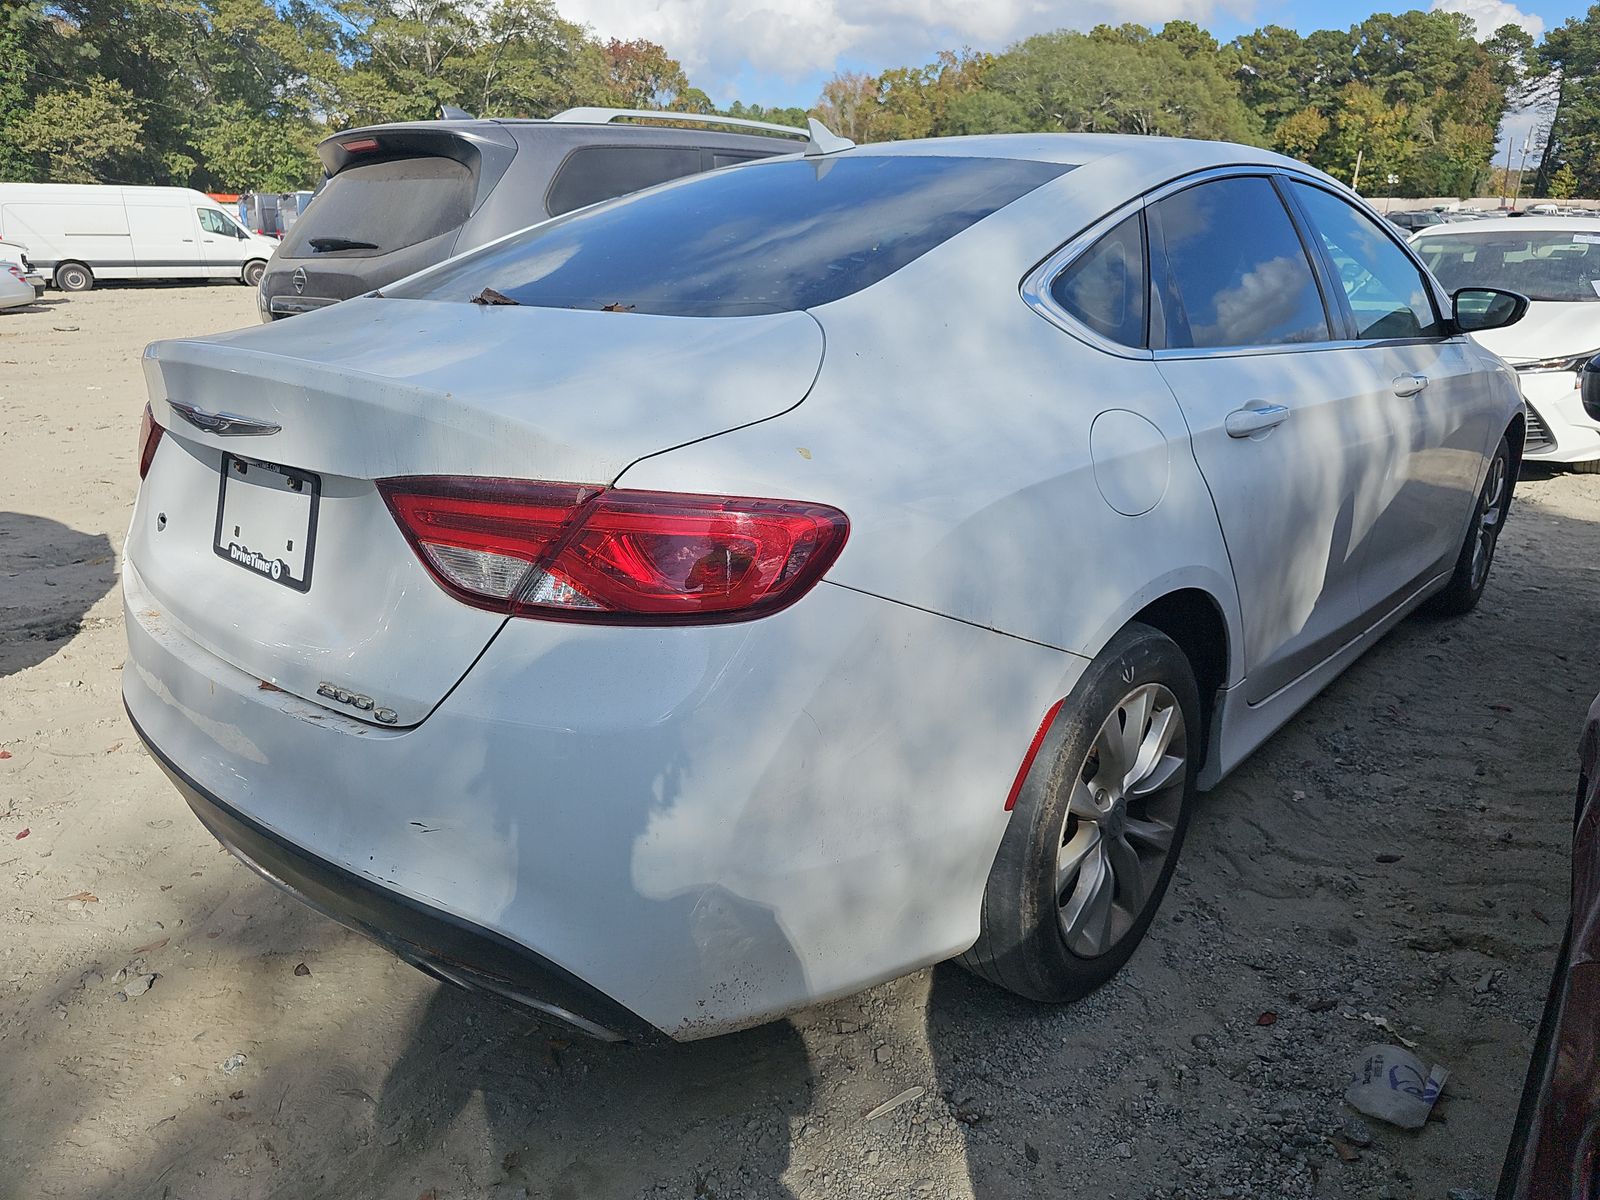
(1521, 166)
(1355, 176)
(1505, 184)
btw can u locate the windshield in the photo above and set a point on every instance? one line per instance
(1541, 264)
(767, 237)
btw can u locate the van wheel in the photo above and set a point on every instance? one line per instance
(1098, 824)
(74, 277)
(253, 271)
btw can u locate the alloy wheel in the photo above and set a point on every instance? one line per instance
(1122, 815)
(1491, 512)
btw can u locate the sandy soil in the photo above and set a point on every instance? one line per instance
(1451, 747)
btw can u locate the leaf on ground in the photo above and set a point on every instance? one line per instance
(156, 945)
(302, 970)
(5, 754)
(1267, 1018)
(86, 897)
(23, 834)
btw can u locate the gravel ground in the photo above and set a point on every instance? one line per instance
(172, 1027)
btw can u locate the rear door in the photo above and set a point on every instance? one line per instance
(1430, 395)
(166, 237)
(1276, 413)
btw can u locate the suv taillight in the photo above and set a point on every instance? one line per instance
(149, 438)
(575, 552)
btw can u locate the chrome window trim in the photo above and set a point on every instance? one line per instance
(1035, 287)
(1037, 283)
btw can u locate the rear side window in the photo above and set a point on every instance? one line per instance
(770, 237)
(382, 207)
(596, 173)
(1237, 273)
(1106, 287)
(1386, 293)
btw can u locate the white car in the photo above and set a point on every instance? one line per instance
(13, 255)
(726, 597)
(1555, 262)
(15, 290)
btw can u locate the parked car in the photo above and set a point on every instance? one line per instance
(751, 589)
(78, 233)
(1420, 219)
(15, 291)
(1555, 262)
(1555, 1141)
(402, 197)
(13, 255)
(272, 214)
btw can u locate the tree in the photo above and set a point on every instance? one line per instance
(82, 136)
(1564, 183)
(642, 75)
(1300, 135)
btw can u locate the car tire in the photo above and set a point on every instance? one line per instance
(1465, 589)
(1592, 467)
(253, 271)
(1085, 861)
(74, 277)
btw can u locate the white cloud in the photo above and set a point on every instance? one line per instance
(718, 41)
(1489, 15)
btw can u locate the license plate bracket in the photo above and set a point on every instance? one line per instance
(267, 520)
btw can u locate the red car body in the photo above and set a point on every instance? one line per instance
(1555, 1145)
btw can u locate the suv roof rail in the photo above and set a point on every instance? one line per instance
(604, 116)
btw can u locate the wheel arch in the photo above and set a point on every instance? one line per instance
(1193, 618)
(1516, 434)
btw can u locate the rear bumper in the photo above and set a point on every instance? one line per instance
(705, 827)
(430, 939)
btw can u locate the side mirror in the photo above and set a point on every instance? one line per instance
(1475, 309)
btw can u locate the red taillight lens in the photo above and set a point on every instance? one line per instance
(149, 438)
(582, 553)
(359, 145)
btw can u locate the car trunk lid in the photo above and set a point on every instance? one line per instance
(375, 389)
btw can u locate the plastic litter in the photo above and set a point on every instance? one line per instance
(1392, 1084)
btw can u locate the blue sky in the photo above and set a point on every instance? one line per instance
(779, 52)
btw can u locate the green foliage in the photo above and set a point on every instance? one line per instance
(1564, 183)
(234, 94)
(82, 136)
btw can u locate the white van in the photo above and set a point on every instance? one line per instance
(77, 233)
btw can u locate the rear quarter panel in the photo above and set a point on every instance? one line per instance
(958, 430)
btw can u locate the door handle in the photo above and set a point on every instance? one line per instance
(1246, 422)
(1409, 385)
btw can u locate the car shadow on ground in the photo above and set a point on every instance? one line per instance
(50, 577)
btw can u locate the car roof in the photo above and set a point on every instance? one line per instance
(1081, 149)
(1540, 224)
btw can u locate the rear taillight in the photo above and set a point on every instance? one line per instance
(575, 552)
(359, 145)
(149, 438)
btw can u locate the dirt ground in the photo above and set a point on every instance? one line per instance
(1397, 853)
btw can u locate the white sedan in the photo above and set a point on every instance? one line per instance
(15, 290)
(723, 598)
(1555, 262)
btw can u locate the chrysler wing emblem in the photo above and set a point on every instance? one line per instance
(299, 278)
(223, 424)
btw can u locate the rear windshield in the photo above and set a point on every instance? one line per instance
(1541, 264)
(769, 237)
(381, 207)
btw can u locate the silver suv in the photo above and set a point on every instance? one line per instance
(402, 197)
